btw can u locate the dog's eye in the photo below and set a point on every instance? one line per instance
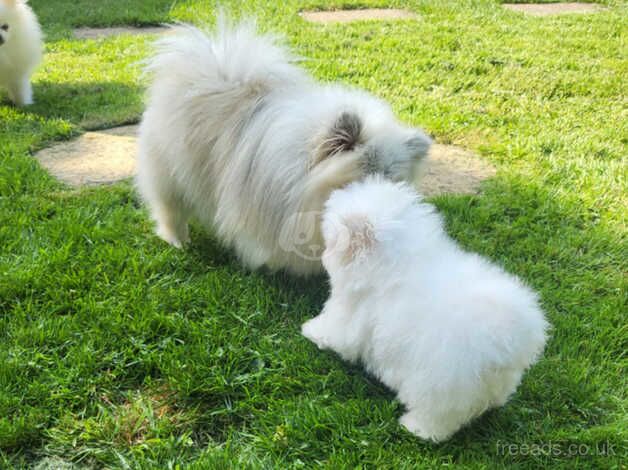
(4, 27)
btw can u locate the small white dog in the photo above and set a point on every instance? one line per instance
(239, 137)
(20, 49)
(451, 333)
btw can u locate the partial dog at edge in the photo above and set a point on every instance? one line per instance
(448, 331)
(239, 137)
(21, 48)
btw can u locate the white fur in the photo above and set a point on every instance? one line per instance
(20, 49)
(450, 332)
(239, 137)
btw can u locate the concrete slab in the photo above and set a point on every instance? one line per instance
(94, 158)
(346, 16)
(98, 33)
(454, 170)
(108, 156)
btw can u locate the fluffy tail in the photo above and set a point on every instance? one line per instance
(235, 60)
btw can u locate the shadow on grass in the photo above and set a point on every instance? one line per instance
(93, 105)
(74, 13)
(234, 360)
(551, 243)
(206, 249)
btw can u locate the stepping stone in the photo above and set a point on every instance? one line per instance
(98, 33)
(546, 9)
(451, 169)
(94, 158)
(108, 156)
(346, 16)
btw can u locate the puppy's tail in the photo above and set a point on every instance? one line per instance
(234, 62)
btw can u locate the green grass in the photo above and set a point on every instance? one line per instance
(117, 351)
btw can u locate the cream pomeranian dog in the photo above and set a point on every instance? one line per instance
(20, 49)
(239, 137)
(448, 331)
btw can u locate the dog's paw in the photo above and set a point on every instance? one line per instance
(312, 331)
(412, 425)
(178, 240)
(22, 102)
(411, 422)
(170, 238)
(26, 99)
(21, 93)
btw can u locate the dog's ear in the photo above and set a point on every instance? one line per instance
(419, 144)
(355, 238)
(343, 136)
(11, 3)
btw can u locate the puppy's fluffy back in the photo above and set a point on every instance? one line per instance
(376, 197)
(391, 212)
(451, 332)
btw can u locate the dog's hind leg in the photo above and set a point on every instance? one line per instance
(166, 206)
(172, 223)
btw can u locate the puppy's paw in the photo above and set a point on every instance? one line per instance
(411, 422)
(312, 330)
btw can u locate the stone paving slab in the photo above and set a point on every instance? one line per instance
(93, 158)
(98, 33)
(346, 16)
(108, 156)
(546, 9)
(452, 170)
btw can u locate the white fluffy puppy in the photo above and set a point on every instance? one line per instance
(20, 49)
(450, 332)
(239, 137)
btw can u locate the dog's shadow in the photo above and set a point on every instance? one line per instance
(205, 249)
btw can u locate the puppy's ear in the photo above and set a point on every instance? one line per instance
(354, 238)
(343, 136)
(11, 3)
(419, 144)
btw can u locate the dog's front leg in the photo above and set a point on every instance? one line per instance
(21, 91)
(317, 331)
(329, 330)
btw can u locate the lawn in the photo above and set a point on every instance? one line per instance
(118, 351)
